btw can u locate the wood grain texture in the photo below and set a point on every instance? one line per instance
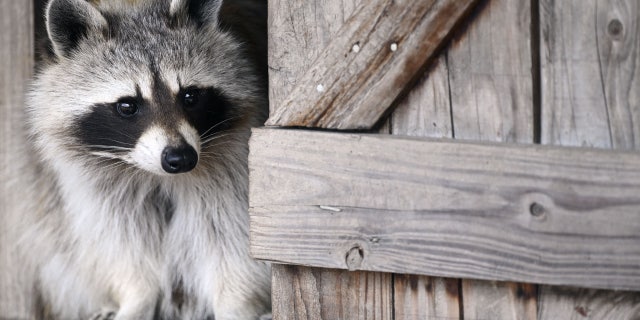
(426, 112)
(298, 31)
(563, 303)
(325, 294)
(360, 74)
(499, 300)
(446, 209)
(490, 71)
(16, 57)
(591, 59)
(423, 298)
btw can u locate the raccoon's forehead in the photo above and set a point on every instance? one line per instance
(117, 72)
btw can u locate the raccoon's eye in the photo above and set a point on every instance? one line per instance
(190, 97)
(127, 108)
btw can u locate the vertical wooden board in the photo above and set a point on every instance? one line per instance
(426, 112)
(423, 298)
(590, 58)
(562, 303)
(618, 44)
(588, 52)
(326, 294)
(16, 58)
(499, 300)
(490, 70)
(298, 31)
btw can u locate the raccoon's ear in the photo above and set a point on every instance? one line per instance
(203, 12)
(68, 21)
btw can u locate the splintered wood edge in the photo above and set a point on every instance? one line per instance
(560, 216)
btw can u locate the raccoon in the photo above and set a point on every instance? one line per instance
(139, 124)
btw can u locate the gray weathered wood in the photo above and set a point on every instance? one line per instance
(16, 57)
(381, 49)
(325, 294)
(521, 213)
(421, 298)
(426, 112)
(591, 94)
(590, 60)
(499, 300)
(562, 303)
(490, 70)
(298, 31)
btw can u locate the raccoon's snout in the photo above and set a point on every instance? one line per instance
(180, 159)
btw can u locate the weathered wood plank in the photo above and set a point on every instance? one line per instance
(382, 48)
(325, 294)
(16, 57)
(490, 70)
(421, 298)
(499, 300)
(562, 303)
(591, 62)
(618, 44)
(298, 31)
(426, 112)
(521, 213)
(490, 73)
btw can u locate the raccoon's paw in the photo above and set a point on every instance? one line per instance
(103, 315)
(266, 316)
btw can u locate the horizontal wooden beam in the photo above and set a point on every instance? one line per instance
(381, 50)
(563, 216)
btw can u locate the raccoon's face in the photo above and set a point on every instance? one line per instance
(155, 86)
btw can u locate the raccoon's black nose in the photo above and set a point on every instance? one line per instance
(179, 160)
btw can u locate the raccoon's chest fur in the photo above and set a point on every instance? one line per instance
(170, 240)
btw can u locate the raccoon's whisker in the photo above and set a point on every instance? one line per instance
(97, 146)
(224, 131)
(217, 144)
(104, 155)
(217, 124)
(212, 138)
(120, 142)
(110, 162)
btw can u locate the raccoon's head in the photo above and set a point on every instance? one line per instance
(156, 86)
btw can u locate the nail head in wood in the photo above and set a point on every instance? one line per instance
(537, 210)
(615, 28)
(356, 47)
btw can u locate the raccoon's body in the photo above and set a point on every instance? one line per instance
(139, 128)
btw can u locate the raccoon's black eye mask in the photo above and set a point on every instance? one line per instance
(207, 109)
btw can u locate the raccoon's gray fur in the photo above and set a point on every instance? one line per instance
(139, 127)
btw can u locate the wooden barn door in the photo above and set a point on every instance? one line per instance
(561, 73)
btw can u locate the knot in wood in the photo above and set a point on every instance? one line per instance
(354, 258)
(536, 209)
(615, 29)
